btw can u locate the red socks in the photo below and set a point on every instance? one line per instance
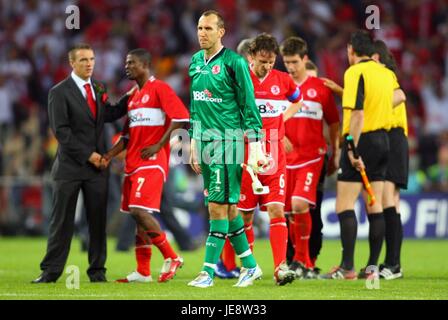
(143, 254)
(302, 223)
(162, 243)
(228, 256)
(250, 235)
(278, 236)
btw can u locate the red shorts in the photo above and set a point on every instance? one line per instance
(142, 189)
(274, 178)
(302, 182)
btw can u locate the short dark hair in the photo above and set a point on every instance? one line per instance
(309, 65)
(217, 14)
(386, 57)
(264, 42)
(76, 47)
(294, 45)
(142, 54)
(362, 43)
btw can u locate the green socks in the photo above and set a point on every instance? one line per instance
(214, 244)
(237, 237)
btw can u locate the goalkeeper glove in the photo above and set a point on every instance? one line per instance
(257, 159)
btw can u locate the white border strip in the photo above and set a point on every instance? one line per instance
(148, 167)
(142, 207)
(303, 164)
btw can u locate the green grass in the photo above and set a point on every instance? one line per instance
(425, 269)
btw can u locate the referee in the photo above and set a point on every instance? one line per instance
(367, 111)
(396, 175)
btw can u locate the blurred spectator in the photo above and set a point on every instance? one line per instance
(437, 174)
(6, 115)
(435, 100)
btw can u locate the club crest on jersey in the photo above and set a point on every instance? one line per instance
(275, 89)
(216, 69)
(145, 98)
(242, 197)
(311, 93)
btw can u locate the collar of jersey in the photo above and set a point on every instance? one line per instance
(259, 80)
(220, 51)
(365, 60)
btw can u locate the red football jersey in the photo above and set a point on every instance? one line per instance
(273, 95)
(305, 128)
(150, 112)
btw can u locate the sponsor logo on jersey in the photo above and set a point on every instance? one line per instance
(310, 109)
(205, 95)
(198, 69)
(146, 117)
(216, 69)
(311, 93)
(270, 108)
(145, 98)
(275, 89)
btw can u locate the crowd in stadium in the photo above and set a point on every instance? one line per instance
(34, 42)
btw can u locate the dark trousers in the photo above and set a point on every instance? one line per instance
(62, 221)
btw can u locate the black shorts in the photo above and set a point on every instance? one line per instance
(398, 166)
(373, 147)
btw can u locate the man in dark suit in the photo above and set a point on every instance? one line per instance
(77, 109)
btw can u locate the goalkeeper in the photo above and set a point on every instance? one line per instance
(223, 110)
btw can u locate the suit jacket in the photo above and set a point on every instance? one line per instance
(76, 131)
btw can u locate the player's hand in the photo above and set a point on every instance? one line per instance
(95, 159)
(105, 161)
(287, 144)
(257, 158)
(358, 164)
(148, 152)
(194, 163)
(333, 86)
(333, 163)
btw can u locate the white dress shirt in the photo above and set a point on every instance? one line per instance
(80, 83)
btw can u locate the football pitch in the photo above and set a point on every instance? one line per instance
(424, 263)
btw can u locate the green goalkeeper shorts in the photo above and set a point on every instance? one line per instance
(221, 170)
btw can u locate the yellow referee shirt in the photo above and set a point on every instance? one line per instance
(368, 86)
(399, 118)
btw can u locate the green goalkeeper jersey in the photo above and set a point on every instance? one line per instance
(222, 98)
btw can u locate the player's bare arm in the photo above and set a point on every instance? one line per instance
(399, 97)
(333, 86)
(335, 151)
(151, 150)
(292, 109)
(356, 125)
(194, 158)
(116, 149)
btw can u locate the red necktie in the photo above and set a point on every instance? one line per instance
(90, 100)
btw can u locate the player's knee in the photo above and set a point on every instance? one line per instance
(300, 206)
(276, 212)
(247, 217)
